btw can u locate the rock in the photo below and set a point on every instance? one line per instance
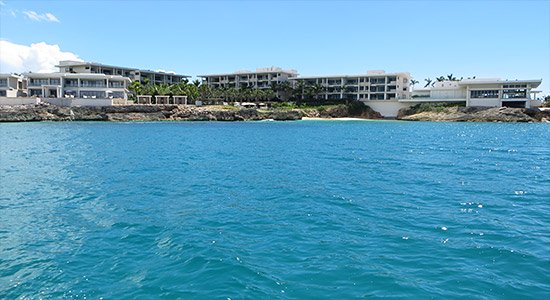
(29, 113)
(472, 114)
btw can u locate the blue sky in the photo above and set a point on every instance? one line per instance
(507, 39)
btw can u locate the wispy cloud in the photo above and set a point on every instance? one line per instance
(48, 17)
(38, 57)
(2, 3)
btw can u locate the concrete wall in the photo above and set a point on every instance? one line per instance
(448, 94)
(485, 102)
(119, 101)
(18, 101)
(387, 108)
(533, 103)
(78, 102)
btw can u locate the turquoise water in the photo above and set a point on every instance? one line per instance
(274, 210)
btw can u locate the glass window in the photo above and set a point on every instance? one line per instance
(484, 94)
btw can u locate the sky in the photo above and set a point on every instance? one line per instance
(486, 39)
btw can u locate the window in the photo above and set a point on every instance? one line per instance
(484, 94)
(514, 93)
(35, 93)
(92, 83)
(71, 82)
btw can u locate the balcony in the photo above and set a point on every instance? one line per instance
(36, 83)
(116, 84)
(93, 84)
(71, 83)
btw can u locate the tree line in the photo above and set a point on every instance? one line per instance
(430, 82)
(195, 90)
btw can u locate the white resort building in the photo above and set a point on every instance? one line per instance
(262, 78)
(68, 66)
(489, 92)
(375, 85)
(12, 85)
(93, 84)
(79, 85)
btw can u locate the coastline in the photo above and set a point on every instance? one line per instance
(337, 119)
(144, 113)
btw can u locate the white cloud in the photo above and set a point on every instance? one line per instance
(38, 57)
(48, 17)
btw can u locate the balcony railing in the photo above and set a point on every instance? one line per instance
(116, 84)
(88, 84)
(38, 83)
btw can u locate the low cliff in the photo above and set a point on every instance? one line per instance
(354, 110)
(30, 113)
(474, 114)
(43, 112)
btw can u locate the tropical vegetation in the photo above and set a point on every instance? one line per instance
(450, 77)
(301, 94)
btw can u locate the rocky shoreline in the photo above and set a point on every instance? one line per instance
(475, 114)
(36, 113)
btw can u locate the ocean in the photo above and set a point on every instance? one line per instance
(274, 210)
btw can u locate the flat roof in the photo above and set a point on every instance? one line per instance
(6, 75)
(72, 63)
(258, 71)
(534, 82)
(75, 75)
(352, 76)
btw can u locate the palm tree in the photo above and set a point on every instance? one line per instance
(148, 89)
(413, 82)
(162, 89)
(205, 91)
(428, 82)
(299, 90)
(285, 89)
(196, 82)
(317, 89)
(136, 88)
(440, 78)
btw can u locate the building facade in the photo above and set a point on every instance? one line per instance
(489, 92)
(77, 85)
(375, 85)
(12, 85)
(262, 78)
(157, 77)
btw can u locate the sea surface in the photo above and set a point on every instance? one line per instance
(274, 210)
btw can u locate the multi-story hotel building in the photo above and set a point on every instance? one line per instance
(68, 66)
(79, 85)
(12, 85)
(375, 85)
(262, 78)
